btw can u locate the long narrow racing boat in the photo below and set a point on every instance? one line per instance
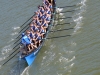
(29, 58)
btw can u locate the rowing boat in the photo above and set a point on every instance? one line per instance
(31, 56)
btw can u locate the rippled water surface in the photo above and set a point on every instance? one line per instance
(78, 54)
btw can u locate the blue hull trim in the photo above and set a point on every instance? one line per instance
(30, 58)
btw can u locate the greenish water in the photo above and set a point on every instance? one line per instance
(78, 54)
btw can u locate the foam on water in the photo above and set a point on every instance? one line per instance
(11, 40)
(15, 33)
(6, 49)
(58, 10)
(4, 52)
(63, 59)
(82, 2)
(16, 28)
(73, 43)
(1, 59)
(78, 17)
(25, 71)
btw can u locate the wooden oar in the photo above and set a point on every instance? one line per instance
(10, 59)
(63, 23)
(57, 37)
(13, 52)
(22, 32)
(67, 6)
(15, 46)
(63, 18)
(61, 30)
(27, 21)
(24, 27)
(65, 11)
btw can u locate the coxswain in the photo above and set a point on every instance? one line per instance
(27, 42)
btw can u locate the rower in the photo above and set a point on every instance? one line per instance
(45, 24)
(37, 21)
(48, 11)
(33, 46)
(38, 37)
(46, 2)
(48, 18)
(42, 31)
(41, 9)
(32, 36)
(33, 27)
(38, 14)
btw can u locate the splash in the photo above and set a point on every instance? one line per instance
(58, 10)
(14, 33)
(82, 2)
(52, 46)
(25, 71)
(4, 52)
(6, 49)
(73, 43)
(15, 28)
(77, 18)
(3, 58)
(78, 24)
(11, 40)
(72, 59)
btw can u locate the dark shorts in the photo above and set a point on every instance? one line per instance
(39, 38)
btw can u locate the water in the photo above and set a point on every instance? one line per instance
(78, 54)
